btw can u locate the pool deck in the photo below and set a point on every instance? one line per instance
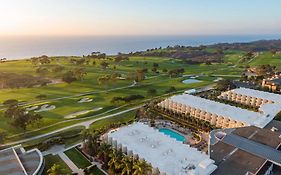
(176, 132)
(188, 137)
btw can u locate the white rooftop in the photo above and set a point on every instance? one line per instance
(270, 109)
(163, 152)
(258, 94)
(235, 113)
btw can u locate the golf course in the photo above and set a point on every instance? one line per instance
(106, 86)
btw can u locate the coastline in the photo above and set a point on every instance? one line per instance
(27, 47)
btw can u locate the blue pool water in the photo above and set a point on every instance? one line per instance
(190, 81)
(172, 134)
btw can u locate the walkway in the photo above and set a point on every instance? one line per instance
(70, 164)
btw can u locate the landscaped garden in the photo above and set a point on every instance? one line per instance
(77, 158)
(51, 160)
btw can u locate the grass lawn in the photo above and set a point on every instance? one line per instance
(97, 171)
(120, 118)
(50, 160)
(77, 158)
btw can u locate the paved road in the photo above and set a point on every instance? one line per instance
(86, 124)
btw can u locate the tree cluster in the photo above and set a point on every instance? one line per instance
(20, 118)
(224, 85)
(176, 72)
(127, 99)
(107, 79)
(12, 80)
(120, 58)
(96, 55)
(74, 75)
(44, 59)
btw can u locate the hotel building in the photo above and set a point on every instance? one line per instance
(269, 104)
(166, 155)
(218, 114)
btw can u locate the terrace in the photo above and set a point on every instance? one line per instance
(17, 161)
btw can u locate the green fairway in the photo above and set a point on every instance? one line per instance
(267, 58)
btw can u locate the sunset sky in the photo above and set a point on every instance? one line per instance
(139, 17)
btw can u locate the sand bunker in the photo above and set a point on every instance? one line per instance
(218, 79)
(85, 100)
(31, 108)
(46, 108)
(73, 115)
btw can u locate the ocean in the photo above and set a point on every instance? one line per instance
(26, 47)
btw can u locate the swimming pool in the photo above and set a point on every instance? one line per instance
(172, 134)
(190, 81)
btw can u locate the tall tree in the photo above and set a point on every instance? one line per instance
(21, 118)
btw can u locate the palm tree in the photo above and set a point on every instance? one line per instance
(115, 159)
(140, 167)
(103, 152)
(90, 139)
(127, 165)
(56, 170)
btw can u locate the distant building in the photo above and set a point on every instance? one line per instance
(17, 161)
(250, 72)
(218, 114)
(269, 104)
(273, 84)
(166, 155)
(246, 151)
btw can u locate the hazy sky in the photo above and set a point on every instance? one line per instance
(139, 17)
